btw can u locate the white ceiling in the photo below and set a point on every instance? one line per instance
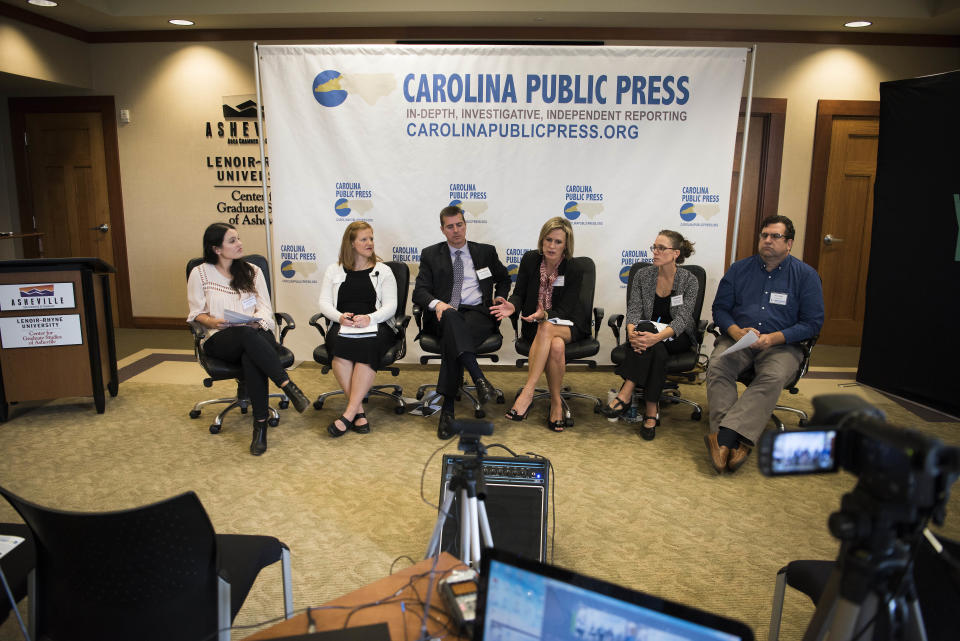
(888, 16)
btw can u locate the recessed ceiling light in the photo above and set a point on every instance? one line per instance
(181, 23)
(858, 23)
(42, 3)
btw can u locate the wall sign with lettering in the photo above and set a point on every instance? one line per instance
(36, 296)
(40, 331)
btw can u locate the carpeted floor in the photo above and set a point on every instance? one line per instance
(649, 515)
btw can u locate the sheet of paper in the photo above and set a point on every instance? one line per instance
(560, 321)
(8, 542)
(236, 318)
(748, 339)
(369, 330)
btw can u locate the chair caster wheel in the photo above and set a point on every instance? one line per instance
(802, 423)
(397, 392)
(214, 429)
(696, 415)
(596, 409)
(399, 409)
(273, 422)
(318, 405)
(479, 413)
(500, 399)
(419, 395)
(569, 422)
(243, 410)
(194, 413)
(283, 404)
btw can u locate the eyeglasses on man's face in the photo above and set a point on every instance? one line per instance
(775, 236)
(659, 248)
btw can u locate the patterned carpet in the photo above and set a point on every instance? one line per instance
(649, 515)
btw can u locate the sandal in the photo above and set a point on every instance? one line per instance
(360, 429)
(648, 433)
(557, 425)
(615, 411)
(334, 431)
(514, 415)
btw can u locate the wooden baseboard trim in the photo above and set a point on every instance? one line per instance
(158, 322)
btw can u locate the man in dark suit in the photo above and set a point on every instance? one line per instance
(458, 282)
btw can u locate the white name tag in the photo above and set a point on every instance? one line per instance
(484, 273)
(559, 281)
(249, 302)
(778, 298)
(676, 301)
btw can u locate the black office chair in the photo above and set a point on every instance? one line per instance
(746, 377)
(577, 352)
(937, 593)
(430, 343)
(152, 572)
(401, 272)
(686, 365)
(16, 566)
(218, 370)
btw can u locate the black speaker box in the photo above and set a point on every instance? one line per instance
(517, 494)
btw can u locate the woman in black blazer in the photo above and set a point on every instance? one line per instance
(547, 291)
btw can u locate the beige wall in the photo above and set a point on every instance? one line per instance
(172, 90)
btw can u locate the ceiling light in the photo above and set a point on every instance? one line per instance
(181, 23)
(42, 3)
(858, 23)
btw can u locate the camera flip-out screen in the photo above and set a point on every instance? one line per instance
(804, 452)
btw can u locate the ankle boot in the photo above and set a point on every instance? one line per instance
(259, 443)
(296, 397)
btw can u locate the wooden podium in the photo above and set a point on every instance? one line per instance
(56, 331)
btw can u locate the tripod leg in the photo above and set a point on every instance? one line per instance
(823, 616)
(433, 548)
(485, 523)
(474, 558)
(465, 522)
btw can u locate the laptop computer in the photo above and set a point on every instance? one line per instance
(524, 600)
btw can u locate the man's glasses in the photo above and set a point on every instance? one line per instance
(659, 248)
(764, 236)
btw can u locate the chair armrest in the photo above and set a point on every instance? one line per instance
(285, 323)
(418, 317)
(712, 328)
(597, 319)
(615, 323)
(515, 324)
(199, 332)
(315, 322)
(402, 322)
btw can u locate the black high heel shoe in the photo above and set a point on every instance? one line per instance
(615, 411)
(514, 415)
(557, 425)
(648, 433)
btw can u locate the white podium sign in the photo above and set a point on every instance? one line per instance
(40, 331)
(36, 296)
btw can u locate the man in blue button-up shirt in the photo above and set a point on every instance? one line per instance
(780, 300)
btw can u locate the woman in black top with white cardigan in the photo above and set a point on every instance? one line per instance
(667, 296)
(547, 288)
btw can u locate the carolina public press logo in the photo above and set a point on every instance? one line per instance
(514, 256)
(331, 88)
(470, 199)
(352, 198)
(628, 257)
(298, 259)
(583, 200)
(698, 201)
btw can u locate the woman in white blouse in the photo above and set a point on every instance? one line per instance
(359, 296)
(224, 281)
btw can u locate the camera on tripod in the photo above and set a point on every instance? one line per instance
(903, 482)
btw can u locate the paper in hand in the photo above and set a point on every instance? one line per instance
(748, 339)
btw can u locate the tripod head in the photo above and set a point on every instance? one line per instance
(470, 433)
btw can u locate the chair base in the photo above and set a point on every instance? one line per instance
(565, 395)
(783, 408)
(670, 394)
(465, 390)
(391, 391)
(243, 403)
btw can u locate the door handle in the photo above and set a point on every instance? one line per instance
(104, 228)
(829, 240)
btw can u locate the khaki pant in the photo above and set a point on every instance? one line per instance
(748, 415)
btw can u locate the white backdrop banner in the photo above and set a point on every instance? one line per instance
(622, 141)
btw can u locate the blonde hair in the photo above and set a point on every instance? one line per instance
(347, 255)
(557, 222)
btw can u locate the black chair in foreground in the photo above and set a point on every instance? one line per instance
(577, 352)
(156, 572)
(746, 377)
(401, 272)
(684, 365)
(218, 370)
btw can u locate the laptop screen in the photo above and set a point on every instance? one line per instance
(523, 600)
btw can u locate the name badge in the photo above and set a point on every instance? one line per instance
(676, 301)
(559, 281)
(249, 303)
(484, 273)
(778, 298)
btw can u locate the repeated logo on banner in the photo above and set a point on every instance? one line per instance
(620, 141)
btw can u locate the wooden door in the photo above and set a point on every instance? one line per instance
(67, 177)
(761, 178)
(838, 240)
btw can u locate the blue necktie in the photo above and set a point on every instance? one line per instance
(457, 280)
